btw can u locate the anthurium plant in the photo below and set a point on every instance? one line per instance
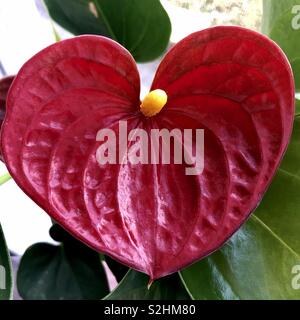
(190, 192)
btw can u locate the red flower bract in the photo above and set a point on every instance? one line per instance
(234, 83)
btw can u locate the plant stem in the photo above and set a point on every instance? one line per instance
(6, 177)
(55, 33)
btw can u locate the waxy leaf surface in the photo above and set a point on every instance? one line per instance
(70, 271)
(281, 22)
(234, 83)
(143, 27)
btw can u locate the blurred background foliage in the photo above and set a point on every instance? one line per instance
(246, 13)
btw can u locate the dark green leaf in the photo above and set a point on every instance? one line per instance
(279, 21)
(118, 269)
(57, 233)
(143, 27)
(70, 271)
(297, 107)
(296, 70)
(260, 261)
(134, 287)
(280, 208)
(76, 16)
(6, 281)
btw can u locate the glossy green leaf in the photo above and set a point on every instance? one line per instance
(77, 16)
(262, 260)
(296, 70)
(143, 27)
(58, 234)
(119, 270)
(281, 22)
(6, 280)
(134, 287)
(273, 10)
(297, 107)
(70, 271)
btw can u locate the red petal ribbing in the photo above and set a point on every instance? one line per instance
(238, 84)
(234, 83)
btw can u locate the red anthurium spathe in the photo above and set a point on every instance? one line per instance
(233, 83)
(5, 84)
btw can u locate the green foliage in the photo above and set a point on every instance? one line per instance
(256, 263)
(143, 27)
(70, 271)
(281, 22)
(134, 287)
(297, 107)
(6, 278)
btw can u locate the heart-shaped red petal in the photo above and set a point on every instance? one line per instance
(234, 83)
